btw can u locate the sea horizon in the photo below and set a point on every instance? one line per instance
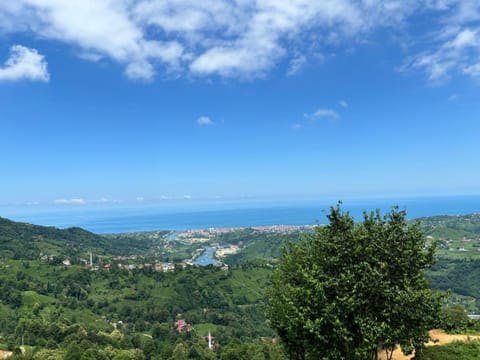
(189, 215)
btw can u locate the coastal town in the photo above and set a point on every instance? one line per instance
(202, 246)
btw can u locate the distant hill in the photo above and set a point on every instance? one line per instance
(26, 241)
(457, 237)
(451, 226)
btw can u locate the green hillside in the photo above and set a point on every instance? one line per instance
(115, 313)
(37, 296)
(257, 245)
(24, 241)
(59, 310)
(452, 226)
(456, 236)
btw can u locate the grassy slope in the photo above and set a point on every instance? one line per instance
(455, 351)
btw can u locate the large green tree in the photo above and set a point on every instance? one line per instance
(353, 289)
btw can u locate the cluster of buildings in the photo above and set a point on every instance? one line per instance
(157, 265)
(208, 233)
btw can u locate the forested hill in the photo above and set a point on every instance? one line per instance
(452, 226)
(25, 241)
(457, 236)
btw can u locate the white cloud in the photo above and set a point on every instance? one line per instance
(75, 201)
(141, 70)
(27, 203)
(90, 56)
(242, 38)
(204, 120)
(24, 63)
(80, 201)
(323, 113)
(105, 200)
(311, 118)
(110, 31)
(459, 52)
(464, 38)
(453, 46)
(343, 103)
(473, 70)
(296, 64)
(175, 197)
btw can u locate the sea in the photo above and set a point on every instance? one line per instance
(203, 215)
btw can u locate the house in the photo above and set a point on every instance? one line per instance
(66, 263)
(165, 267)
(182, 325)
(168, 267)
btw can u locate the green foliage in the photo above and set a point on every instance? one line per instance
(257, 245)
(351, 289)
(458, 237)
(137, 242)
(452, 227)
(459, 276)
(469, 350)
(454, 319)
(241, 351)
(69, 310)
(23, 241)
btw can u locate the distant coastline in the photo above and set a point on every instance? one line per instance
(297, 213)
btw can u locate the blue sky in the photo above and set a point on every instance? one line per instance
(109, 102)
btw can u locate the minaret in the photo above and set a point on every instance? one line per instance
(91, 259)
(210, 340)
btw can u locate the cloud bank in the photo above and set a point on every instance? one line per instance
(245, 38)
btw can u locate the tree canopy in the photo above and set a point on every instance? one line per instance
(352, 289)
